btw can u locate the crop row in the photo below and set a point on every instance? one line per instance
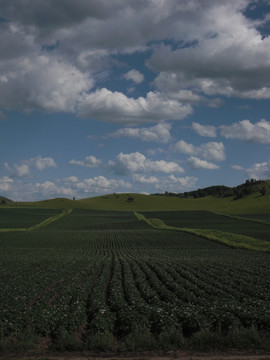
(119, 282)
(209, 220)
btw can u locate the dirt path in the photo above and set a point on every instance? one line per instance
(173, 356)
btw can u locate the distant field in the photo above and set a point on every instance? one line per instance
(261, 217)
(253, 204)
(209, 220)
(103, 280)
(81, 219)
(23, 217)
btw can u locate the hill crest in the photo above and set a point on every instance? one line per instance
(250, 187)
(255, 200)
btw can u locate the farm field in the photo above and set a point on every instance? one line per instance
(209, 220)
(23, 217)
(105, 281)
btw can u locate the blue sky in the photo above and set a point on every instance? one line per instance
(132, 96)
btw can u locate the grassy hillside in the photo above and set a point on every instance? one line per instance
(4, 200)
(254, 203)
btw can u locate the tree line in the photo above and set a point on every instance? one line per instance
(238, 192)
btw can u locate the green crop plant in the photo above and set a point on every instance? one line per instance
(108, 281)
(227, 238)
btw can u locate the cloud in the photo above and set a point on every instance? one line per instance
(170, 183)
(116, 25)
(212, 151)
(95, 185)
(159, 133)
(145, 180)
(185, 96)
(263, 93)
(259, 171)
(125, 164)
(184, 182)
(71, 179)
(104, 104)
(213, 60)
(42, 163)
(89, 161)
(24, 168)
(246, 131)
(237, 167)
(153, 152)
(204, 130)
(197, 163)
(55, 53)
(176, 184)
(49, 188)
(18, 170)
(5, 183)
(185, 147)
(42, 82)
(135, 76)
(72, 186)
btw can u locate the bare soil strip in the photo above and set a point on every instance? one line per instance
(142, 356)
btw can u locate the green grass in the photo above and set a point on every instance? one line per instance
(253, 204)
(201, 219)
(227, 238)
(38, 226)
(12, 217)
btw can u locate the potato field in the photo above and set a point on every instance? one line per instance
(103, 280)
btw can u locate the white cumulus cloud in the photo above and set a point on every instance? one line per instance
(225, 55)
(237, 167)
(72, 186)
(50, 189)
(114, 106)
(260, 171)
(212, 151)
(42, 82)
(42, 163)
(145, 180)
(5, 183)
(97, 184)
(197, 163)
(89, 161)
(246, 131)
(176, 184)
(125, 164)
(135, 76)
(204, 130)
(159, 133)
(24, 168)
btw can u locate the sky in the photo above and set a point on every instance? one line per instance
(145, 96)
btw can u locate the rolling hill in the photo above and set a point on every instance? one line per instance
(248, 198)
(4, 200)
